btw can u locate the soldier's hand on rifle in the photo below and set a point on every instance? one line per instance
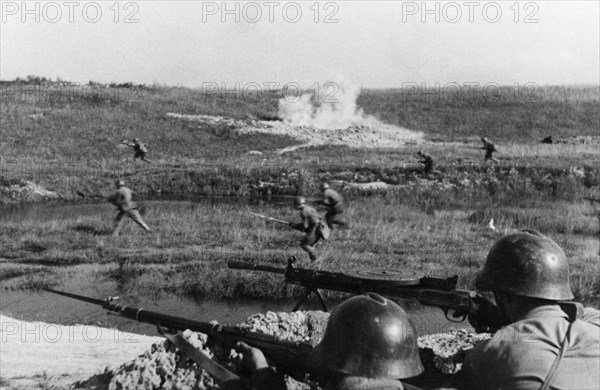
(253, 359)
(298, 226)
(488, 319)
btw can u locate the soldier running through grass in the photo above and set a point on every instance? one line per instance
(140, 149)
(334, 204)
(122, 199)
(312, 227)
(489, 148)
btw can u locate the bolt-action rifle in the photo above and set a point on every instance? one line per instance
(457, 305)
(290, 355)
(295, 226)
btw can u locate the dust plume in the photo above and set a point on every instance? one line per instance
(333, 106)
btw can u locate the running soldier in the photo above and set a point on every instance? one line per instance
(140, 149)
(545, 346)
(369, 343)
(489, 148)
(311, 225)
(122, 199)
(427, 162)
(334, 204)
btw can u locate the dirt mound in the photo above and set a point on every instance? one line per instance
(370, 134)
(25, 191)
(64, 357)
(164, 368)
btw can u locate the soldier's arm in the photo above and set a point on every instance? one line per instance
(263, 376)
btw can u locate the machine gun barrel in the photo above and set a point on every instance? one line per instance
(430, 291)
(233, 264)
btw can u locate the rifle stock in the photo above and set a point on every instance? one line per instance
(457, 305)
(292, 356)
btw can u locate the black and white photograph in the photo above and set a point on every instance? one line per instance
(300, 195)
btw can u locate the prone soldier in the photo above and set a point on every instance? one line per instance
(543, 346)
(489, 148)
(369, 343)
(334, 204)
(122, 199)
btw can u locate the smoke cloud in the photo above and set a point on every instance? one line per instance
(331, 107)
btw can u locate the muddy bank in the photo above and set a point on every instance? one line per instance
(88, 357)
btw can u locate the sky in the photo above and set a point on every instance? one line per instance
(375, 44)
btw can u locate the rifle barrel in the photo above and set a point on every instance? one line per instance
(101, 302)
(233, 264)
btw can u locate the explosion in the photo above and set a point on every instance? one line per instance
(331, 107)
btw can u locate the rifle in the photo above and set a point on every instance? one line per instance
(292, 356)
(457, 305)
(272, 219)
(288, 223)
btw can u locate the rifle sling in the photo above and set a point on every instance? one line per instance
(559, 357)
(219, 372)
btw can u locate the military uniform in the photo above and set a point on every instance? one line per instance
(520, 355)
(427, 162)
(334, 203)
(140, 150)
(542, 347)
(369, 344)
(489, 148)
(309, 225)
(122, 199)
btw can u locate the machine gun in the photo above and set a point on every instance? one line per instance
(457, 305)
(290, 355)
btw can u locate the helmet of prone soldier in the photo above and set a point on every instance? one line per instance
(324, 186)
(119, 183)
(527, 264)
(369, 336)
(299, 201)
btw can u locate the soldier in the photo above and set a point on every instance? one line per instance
(369, 343)
(334, 203)
(122, 199)
(310, 225)
(543, 346)
(489, 148)
(139, 148)
(427, 162)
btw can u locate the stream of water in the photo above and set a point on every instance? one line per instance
(46, 307)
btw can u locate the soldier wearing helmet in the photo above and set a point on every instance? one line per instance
(489, 148)
(122, 199)
(369, 343)
(427, 162)
(334, 204)
(310, 225)
(545, 344)
(140, 150)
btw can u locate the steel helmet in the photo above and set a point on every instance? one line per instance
(324, 186)
(369, 336)
(299, 201)
(528, 264)
(119, 183)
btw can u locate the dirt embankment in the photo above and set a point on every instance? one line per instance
(40, 355)
(370, 133)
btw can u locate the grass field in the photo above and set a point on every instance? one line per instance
(431, 225)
